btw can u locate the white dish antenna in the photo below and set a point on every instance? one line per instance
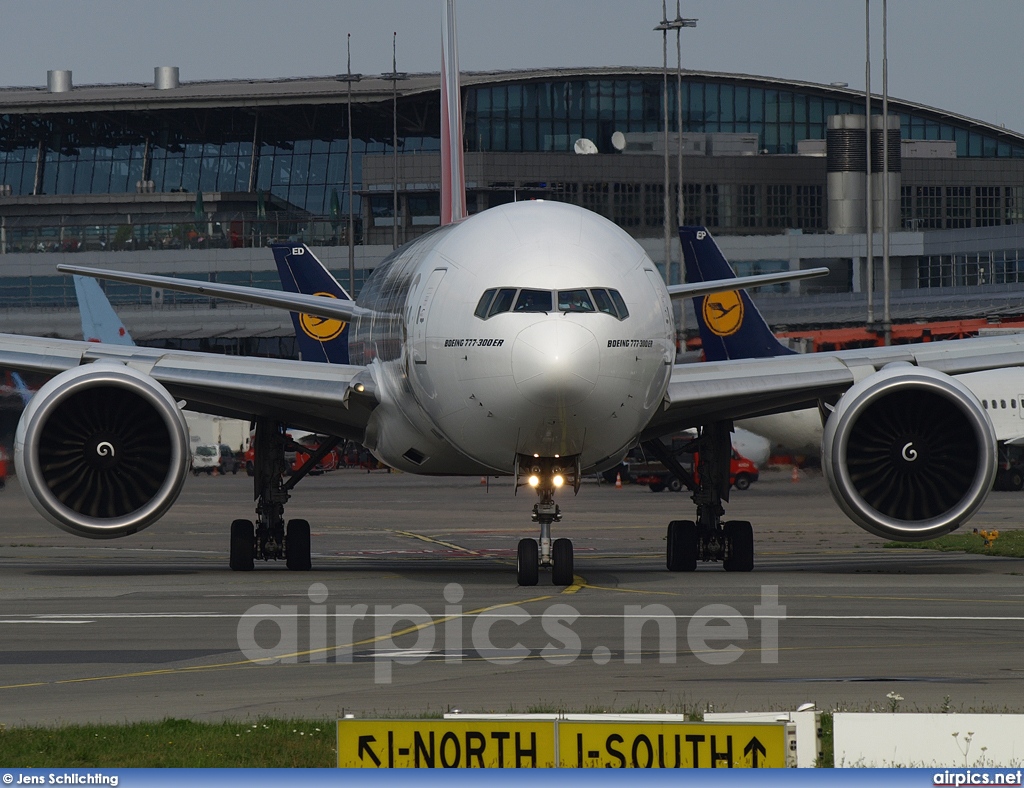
(618, 140)
(584, 147)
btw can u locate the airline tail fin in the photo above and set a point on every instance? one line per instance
(730, 325)
(100, 322)
(453, 171)
(319, 339)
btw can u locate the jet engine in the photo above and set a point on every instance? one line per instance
(102, 450)
(909, 453)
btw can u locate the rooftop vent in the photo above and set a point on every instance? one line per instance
(58, 81)
(165, 77)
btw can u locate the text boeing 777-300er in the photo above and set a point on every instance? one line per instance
(533, 339)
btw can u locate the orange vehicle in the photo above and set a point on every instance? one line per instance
(4, 459)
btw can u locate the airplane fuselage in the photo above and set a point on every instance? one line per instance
(551, 365)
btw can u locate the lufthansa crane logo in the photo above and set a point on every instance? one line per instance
(322, 329)
(723, 312)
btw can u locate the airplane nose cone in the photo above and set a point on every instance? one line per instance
(555, 363)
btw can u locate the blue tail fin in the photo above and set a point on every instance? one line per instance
(730, 325)
(301, 272)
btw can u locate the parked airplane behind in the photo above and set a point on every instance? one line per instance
(1001, 391)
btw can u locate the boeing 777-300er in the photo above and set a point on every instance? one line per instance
(1001, 391)
(534, 339)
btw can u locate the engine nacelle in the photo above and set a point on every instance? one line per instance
(102, 450)
(909, 453)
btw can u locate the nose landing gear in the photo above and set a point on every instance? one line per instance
(545, 475)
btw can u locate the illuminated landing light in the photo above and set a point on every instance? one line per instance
(534, 481)
(558, 481)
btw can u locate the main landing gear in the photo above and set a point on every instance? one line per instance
(271, 537)
(709, 538)
(545, 475)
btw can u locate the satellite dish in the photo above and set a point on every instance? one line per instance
(584, 147)
(618, 140)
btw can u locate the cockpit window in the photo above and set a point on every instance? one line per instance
(485, 301)
(575, 301)
(502, 301)
(619, 304)
(495, 300)
(603, 301)
(533, 301)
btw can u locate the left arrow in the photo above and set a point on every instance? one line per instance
(753, 747)
(365, 741)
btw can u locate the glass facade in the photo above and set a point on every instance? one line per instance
(551, 116)
(300, 153)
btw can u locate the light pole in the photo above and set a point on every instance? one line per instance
(350, 78)
(664, 26)
(394, 76)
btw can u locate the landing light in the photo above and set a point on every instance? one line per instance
(558, 480)
(534, 481)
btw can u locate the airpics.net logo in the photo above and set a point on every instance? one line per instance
(407, 634)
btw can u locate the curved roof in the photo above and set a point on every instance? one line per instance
(378, 87)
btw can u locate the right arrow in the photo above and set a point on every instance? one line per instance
(753, 747)
(364, 746)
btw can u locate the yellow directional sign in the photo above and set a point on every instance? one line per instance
(670, 745)
(437, 744)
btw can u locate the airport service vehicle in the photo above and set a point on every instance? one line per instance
(747, 335)
(205, 457)
(742, 473)
(533, 339)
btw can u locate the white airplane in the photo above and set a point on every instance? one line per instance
(533, 339)
(1001, 391)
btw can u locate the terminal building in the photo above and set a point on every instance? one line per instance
(194, 179)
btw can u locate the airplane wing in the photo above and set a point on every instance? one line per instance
(320, 306)
(742, 388)
(735, 283)
(336, 399)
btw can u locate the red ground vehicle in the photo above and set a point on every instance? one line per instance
(742, 473)
(3, 467)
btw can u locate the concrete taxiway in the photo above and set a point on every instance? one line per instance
(156, 625)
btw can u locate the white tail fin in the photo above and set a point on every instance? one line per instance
(453, 173)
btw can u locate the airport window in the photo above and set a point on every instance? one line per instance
(778, 204)
(595, 198)
(988, 205)
(809, 209)
(626, 204)
(533, 301)
(747, 212)
(958, 207)
(711, 205)
(574, 301)
(654, 204)
(502, 301)
(692, 213)
(1014, 201)
(485, 302)
(928, 205)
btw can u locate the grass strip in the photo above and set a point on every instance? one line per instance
(1008, 543)
(173, 743)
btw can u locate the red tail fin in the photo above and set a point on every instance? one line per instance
(453, 173)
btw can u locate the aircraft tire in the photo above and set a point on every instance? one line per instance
(297, 546)
(739, 546)
(528, 564)
(243, 546)
(681, 546)
(561, 562)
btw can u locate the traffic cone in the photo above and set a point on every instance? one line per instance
(483, 480)
(618, 481)
(796, 475)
